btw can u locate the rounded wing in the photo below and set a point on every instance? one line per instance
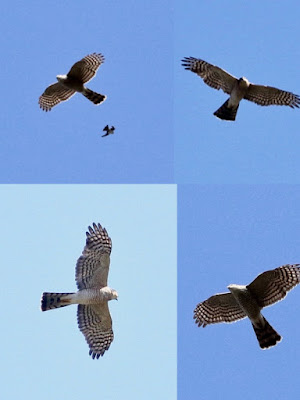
(212, 75)
(53, 95)
(267, 96)
(85, 69)
(221, 307)
(93, 265)
(272, 286)
(95, 323)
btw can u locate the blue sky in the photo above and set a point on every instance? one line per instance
(230, 234)
(44, 355)
(43, 40)
(256, 40)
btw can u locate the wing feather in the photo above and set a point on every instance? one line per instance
(85, 69)
(221, 307)
(212, 75)
(93, 265)
(95, 323)
(53, 95)
(272, 286)
(267, 96)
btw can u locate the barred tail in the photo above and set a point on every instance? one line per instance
(50, 301)
(266, 335)
(227, 113)
(96, 98)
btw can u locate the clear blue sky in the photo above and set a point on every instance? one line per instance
(44, 355)
(44, 39)
(229, 234)
(257, 40)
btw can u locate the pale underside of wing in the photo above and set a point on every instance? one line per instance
(95, 323)
(212, 75)
(85, 69)
(272, 286)
(53, 95)
(267, 96)
(221, 307)
(93, 265)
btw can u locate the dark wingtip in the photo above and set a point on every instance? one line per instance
(92, 229)
(186, 62)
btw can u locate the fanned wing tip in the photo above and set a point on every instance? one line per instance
(187, 62)
(198, 321)
(92, 230)
(100, 56)
(96, 355)
(43, 107)
(97, 235)
(296, 103)
(97, 226)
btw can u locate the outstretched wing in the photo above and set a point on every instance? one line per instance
(221, 307)
(93, 265)
(95, 323)
(272, 286)
(85, 69)
(212, 75)
(53, 95)
(267, 96)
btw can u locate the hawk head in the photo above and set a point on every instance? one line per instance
(61, 78)
(114, 294)
(243, 82)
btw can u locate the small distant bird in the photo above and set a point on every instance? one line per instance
(248, 300)
(67, 85)
(93, 294)
(109, 131)
(238, 89)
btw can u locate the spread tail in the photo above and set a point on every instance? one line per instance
(227, 113)
(96, 98)
(266, 335)
(50, 301)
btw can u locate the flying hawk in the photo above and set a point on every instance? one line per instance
(238, 89)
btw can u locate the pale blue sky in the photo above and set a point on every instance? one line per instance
(44, 355)
(65, 145)
(230, 234)
(258, 40)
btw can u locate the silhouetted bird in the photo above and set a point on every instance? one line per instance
(109, 131)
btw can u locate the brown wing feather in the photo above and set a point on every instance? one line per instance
(221, 307)
(53, 95)
(85, 69)
(212, 75)
(95, 323)
(267, 95)
(272, 286)
(93, 265)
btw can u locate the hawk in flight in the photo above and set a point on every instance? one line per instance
(93, 294)
(248, 301)
(238, 89)
(109, 131)
(67, 85)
